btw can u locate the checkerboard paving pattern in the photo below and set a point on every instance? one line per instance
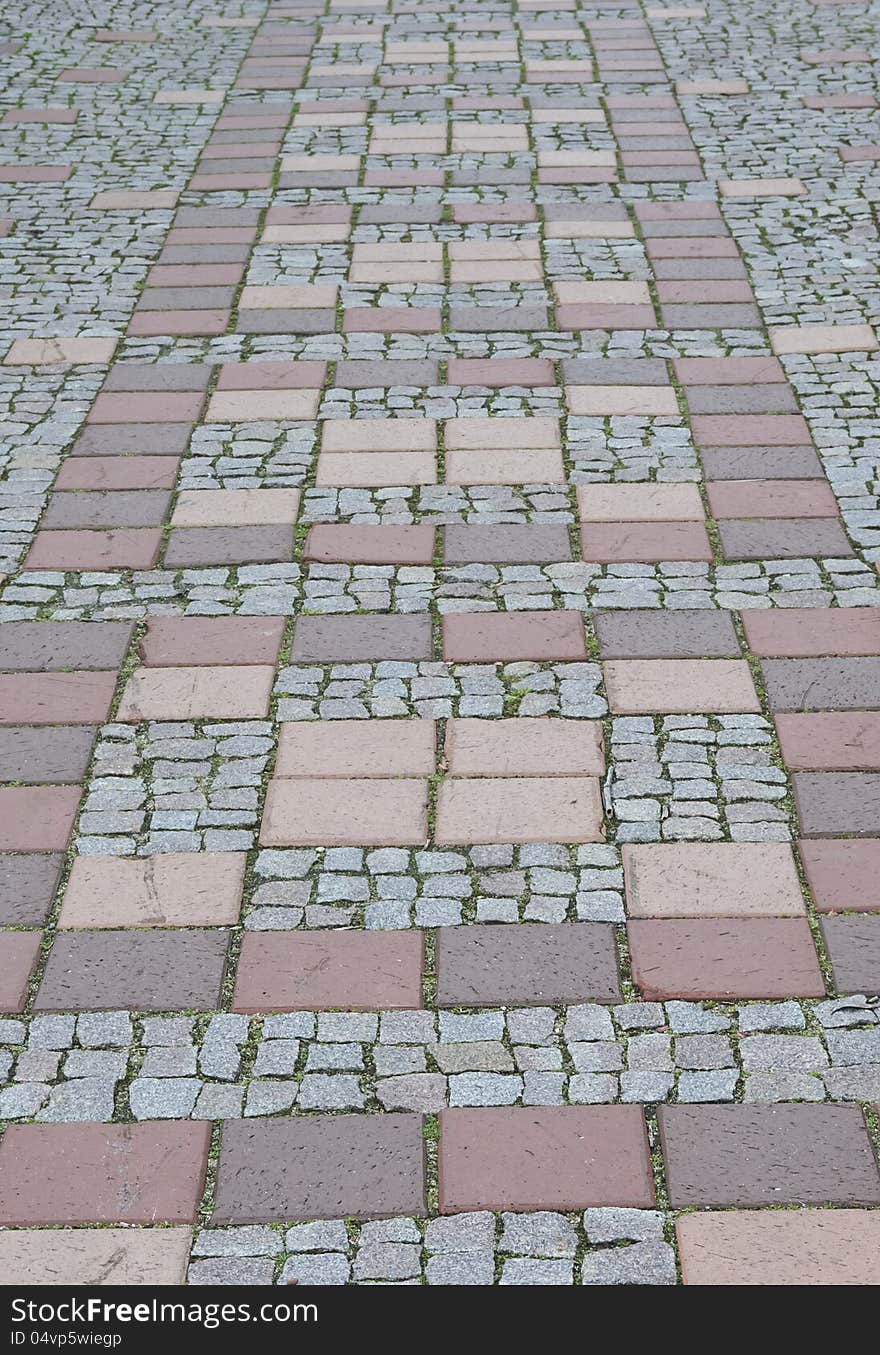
(440, 645)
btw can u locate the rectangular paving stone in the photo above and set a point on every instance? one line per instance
(548, 1157)
(806, 632)
(751, 463)
(271, 375)
(665, 635)
(524, 746)
(486, 966)
(486, 637)
(50, 755)
(626, 503)
(218, 693)
(106, 508)
(103, 1173)
(115, 548)
(838, 803)
(822, 683)
(345, 812)
(27, 887)
(176, 406)
(186, 641)
(749, 1156)
(358, 971)
(534, 543)
(741, 399)
(780, 1247)
(854, 950)
(125, 439)
(37, 818)
(773, 499)
(333, 542)
(96, 1256)
(189, 547)
(356, 639)
(346, 748)
(327, 1167)
(607, 542)
(794, 538)
(19, 953)
(173, 890)
(519, 809)
(825, 741)
(55, 698)
(235, 507)
(164, 377)
(46, 352)
(724, 959)
(711, 879)
(843, 875)
(729, 430)
(689, 686)
(153, 971)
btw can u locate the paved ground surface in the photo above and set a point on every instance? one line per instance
(440, 646)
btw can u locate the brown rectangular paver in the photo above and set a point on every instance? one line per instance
(19, 952)
(116, 548)
(780, 1247)
(524, 746)
(37, 818)
(169, 890)
(505, 637)
(370, 545)
(711, 879)
(315, 970)
(345, 812)
(553, 1157)
(27, 887)
(767, 1155)
(637, 686)
(549, 965)
(346, 748)
(103, 1173)
(665, 634)
(833, 804)
(172, 641)
(805, 632)
(854, 950)
(54, 755)
(830, 741)
(330, 1167)
(822, 684)
(519, 809)
(357, 639)
(153, 971)
(843, 875)
(724, 959)
(55, 698)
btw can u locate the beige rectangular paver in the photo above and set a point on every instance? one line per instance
(639, 503)
(356, 748)
(539, 746)
(234, 693)
(346, 812)
(680, 686)
(192, 889)
(235, 507)
(519, 809)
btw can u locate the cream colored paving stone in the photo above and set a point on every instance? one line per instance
(351, 812)
(522, 466)
(576, 159)
(560, 229)
(486, 434)
(306, 235)
(402, 271)
(527, 746)
(675, 12)
(781, 1247)
(561, 115)
(192, 889)
(208, 693)
(611, 400)
(519, 809)
(94, 1256)
(379, 435)
(319, 164)
(822, 339)
(680, 686)
(497, 270)
(305, 296)
(146, 200)
(329, 120)
(45, 352)
(376, 470)
(602, 293)
(639, 503)
(761, 188)
(235, 507)
(469, 251)
(711, 879)
(356, 748)
(252, 406)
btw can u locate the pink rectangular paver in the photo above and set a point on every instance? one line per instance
(346, 812)
(688, 686)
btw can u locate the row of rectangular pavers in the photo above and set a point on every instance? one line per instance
(559, 1158)
(615, 1246)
